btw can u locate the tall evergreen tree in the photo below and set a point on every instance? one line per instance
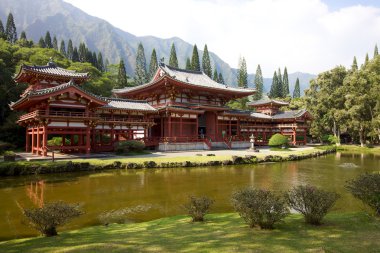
(95, 60)
(82, 51)
(122, 79)
(242, 78)
(215, 76)
(285, 84)
(376, 52)
(70, 50)
(55, 43)
(23, 36)
(141, 76)
(75, 55)
(48, 42)
(10, 30)
(62, 48)
(100, 62)
(274, 88)
(195, 65)
(153, 65)
(297, 90)
(106, 64)
(279, 80)
(206, 64)
(259, 83)
(173, 57)
(220, 78)
(41, 43)
(188, 64)
(2, 31)
(354, 66)
(366, 59)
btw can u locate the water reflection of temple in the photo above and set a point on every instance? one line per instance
(35, 192)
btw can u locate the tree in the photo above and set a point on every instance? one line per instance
(279, 88)
(375, 52)
(141, 76)
(153, 66)
(366, 59)
(354, 65)
(23, 36)
(173, 57)
(95, 60)
(188, 64)
(48, 42)
(2, 31)
(297, 90)
(274, 89)
(75, 57)
(82, 51)
(100, 62)
(206, 64)
(55, 43)
(10, 30)
(195, 65)
(285, 84)
(41, 43)
(215, 76)
(242, 77)
(122, 79)
(62, 48)
(70, 50)
(220, 78)
(259, 83)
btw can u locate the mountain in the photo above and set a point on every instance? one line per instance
(68, 22)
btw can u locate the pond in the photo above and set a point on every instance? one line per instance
(151, 194)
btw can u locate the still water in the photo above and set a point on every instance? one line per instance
(158, 193)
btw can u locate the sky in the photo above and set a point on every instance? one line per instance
(309, 36)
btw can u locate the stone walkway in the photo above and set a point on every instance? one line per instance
(237, 152)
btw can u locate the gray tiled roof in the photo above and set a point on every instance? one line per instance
(128, 104)
(52, 69)
(196, 78)
(267, 101)
(280, 115)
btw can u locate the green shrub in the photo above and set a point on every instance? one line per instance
(57, 141)
(5, 146)
(9, 153)
(128, 146)
(311, 202)
(278, 140)
(259, 207)
(47, 218)
(197, 207)
(367, 188)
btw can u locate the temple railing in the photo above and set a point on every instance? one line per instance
(46, 114)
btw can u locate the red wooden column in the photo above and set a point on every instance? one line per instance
(33, 143)
(27, 143)
(229, 128)
(169, 126)
(294, 136)
(88, 143)
(180, 125)
(238, 127)
(162, 127)
(304, 136)
(38, 140)
(196, 126)
(44, 140)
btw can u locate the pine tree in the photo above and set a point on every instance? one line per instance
(55, 43)
(297, 90)
(153, 64)
(75, 56)
(366, 59)
(10, 30)
(188, 64)
(122, 79)
(41, 43)
(62, 48)
(285, 84)
(354, 66)
(274, 88)
(141, 76)
(2, 31)
(70, 50)
(195, 65)
(48, 42)
(242, 78)
(376, 52)
(82, 51)
(220, 78)
(100, 62)
(215, 76)
(173, 57)
(23, 36)
(259, 83)
(206, 64)
(95, 60)
(279, 84)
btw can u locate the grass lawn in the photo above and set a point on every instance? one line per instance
(357, 148)
(347, 232)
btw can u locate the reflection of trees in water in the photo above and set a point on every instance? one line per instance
(35, 192)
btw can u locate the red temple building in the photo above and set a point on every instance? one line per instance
(177, 110)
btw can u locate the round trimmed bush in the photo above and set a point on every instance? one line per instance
(278, 140)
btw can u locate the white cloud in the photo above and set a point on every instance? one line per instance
(300, 34)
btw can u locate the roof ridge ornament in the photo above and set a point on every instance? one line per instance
(51, 63)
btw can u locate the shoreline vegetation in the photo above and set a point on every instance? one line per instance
(221, 232)
(93, 165)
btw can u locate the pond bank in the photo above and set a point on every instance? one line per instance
(224, 232)
(197, 160)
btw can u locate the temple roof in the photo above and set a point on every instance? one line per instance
(190, 77)
(128, 104)
(267, 101)
(281, 115)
